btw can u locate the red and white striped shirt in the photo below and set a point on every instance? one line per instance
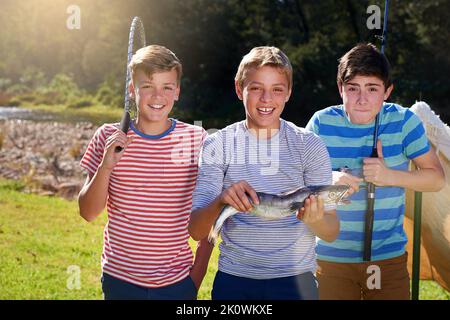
(149, 203)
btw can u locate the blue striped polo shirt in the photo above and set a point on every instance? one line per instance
(403, 138)
(252, 247)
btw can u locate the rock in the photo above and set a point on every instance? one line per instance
(39, 152)
(69, 190)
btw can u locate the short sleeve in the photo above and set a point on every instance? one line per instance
(415, 141)
(313, 124)
(211, 172)
(94, 152)
(317, 163)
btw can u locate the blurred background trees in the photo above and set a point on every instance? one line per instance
(42, 61)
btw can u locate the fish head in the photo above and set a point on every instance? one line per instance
(331, 194)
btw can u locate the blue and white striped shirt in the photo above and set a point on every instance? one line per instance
(403, 138)
(253, 247)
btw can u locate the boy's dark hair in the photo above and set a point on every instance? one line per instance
(364, 60)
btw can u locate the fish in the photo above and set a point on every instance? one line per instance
(273, 207)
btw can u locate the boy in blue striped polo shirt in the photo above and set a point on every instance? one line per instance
(263, 259)
(364, 84)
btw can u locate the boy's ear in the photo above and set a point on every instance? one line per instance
(388, 91)
(340, 88)
(131, 89)
(238, 90)
(177, 93)
(288, 95)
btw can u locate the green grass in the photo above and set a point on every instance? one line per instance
(40, 237)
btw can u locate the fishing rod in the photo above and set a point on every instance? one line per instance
(136, 40)
(368, 226)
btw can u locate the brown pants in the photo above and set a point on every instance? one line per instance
(376, 280)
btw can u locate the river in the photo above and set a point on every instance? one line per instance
(17, 113)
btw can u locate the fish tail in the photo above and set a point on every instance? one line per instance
(226, 212)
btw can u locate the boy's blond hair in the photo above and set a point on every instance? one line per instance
(264, 56)
(154, 58)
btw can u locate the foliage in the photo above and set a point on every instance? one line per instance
(210, 38)
(109, 93)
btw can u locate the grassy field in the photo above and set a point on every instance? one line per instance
(43, 241)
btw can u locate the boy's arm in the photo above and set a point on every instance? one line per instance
(200, 266)
(202, 219)
(430, 176)
(93, 195)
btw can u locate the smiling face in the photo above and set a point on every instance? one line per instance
(264, 93)
(154, 95)
(363, 97)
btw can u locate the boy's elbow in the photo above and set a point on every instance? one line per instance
(194, 235)
(330, 238)
(84, 213)
(86, 216)
(333, 235)
(438, 184)
(442, 182)
(192, 227)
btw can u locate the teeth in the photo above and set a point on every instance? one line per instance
(266, 109)
(156, 106)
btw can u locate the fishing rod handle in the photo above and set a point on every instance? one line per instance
(124, 125)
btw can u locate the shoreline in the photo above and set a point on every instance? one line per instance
(45, 155)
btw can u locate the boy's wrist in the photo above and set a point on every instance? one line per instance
(219, 202)
(392, 178)
(102, 168)
(316, 224)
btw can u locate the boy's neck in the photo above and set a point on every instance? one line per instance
(262, 133)
(152, 128)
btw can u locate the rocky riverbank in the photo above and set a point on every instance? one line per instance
(44, 155)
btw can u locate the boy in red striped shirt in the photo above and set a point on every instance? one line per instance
(147, 189)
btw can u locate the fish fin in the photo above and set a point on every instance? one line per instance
(295, 206)
(226, 212)
(284, 194)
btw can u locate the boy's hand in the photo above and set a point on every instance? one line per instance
(375, 170)
(197, 276)
(312, 211)
(236, 196)
(110, 156)
(346, 179)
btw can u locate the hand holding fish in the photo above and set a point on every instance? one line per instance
(324, 224)
(236, 196)
(277, 206)
(375, 170)
(344, 178)
(312, 211)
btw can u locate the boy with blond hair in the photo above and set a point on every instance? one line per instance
(263, 259)
(147, 189)
(364, 83)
